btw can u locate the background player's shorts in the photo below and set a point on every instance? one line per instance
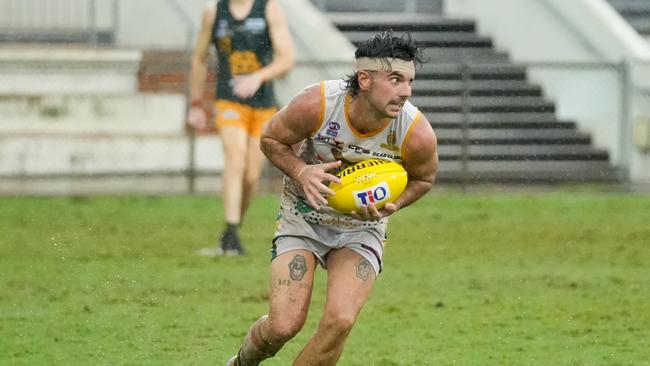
(295, 233)
(251, 120)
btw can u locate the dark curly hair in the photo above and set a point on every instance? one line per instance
(384, 45)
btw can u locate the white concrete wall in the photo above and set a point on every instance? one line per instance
(29, 70)
(158, 24)
(569, 45)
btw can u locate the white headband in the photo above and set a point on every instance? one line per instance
(386, 64)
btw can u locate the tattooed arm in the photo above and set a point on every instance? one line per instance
(291, 125)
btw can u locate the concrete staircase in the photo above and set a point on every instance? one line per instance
(492, 123)
(636, 12)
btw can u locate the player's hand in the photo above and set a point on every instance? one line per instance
(371, 213)
(313, 178)
(196, 118)
(246, 85)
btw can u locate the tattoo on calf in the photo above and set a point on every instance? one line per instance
(364, 268)
(297, 268)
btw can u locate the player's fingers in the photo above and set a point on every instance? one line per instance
(363, 212)
(326, 190)
(312, 202)
(331, 165)
(355, 215)
(317, 194)
(373, 212)
(331, 178)
(390, 208)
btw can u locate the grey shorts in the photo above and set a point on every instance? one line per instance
(295, 233)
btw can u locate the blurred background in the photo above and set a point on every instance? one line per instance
(93, 93)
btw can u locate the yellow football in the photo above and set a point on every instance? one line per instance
(370, 181)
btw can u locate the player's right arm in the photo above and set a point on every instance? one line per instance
(291, 125)
(196, 115)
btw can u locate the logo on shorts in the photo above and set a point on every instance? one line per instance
(303, 207)
(375, 194)
(230, 114)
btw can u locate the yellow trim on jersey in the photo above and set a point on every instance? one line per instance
(417, 119)
(322, 109)
(348, 100)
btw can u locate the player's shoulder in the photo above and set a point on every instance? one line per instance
(332, 88)
(422, 137)
(210, 10)
(307, 102)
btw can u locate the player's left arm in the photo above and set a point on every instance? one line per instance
(283, 58)
(421, 163)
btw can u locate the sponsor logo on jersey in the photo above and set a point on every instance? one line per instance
(375, 194)
(333, 129)
(359, 149)
(382, 155)
(255, 24)
(391, 141)
(330, 141)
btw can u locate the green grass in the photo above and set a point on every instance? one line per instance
(556, 278)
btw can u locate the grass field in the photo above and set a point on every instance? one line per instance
(555, 278)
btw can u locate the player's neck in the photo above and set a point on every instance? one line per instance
(364, 118)
(239, 9)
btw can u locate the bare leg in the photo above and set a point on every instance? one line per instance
(252, 172)
(234, 147)
(292, 279)
(350, 277)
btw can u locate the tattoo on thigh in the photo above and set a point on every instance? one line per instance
(297, 268)
(364, 269)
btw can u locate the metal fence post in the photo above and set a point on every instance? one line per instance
(116, 20)
(92, 18)
(464, 141)
(625, 133)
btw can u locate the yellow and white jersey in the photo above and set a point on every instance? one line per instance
(336, 139)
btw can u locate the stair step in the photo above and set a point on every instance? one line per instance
(528, 171)
(505, 125)
(431, 39)
(68, 37)
(621, 3)
(474, 87)
(522, 152)
(634, 9)
(642, 25)
(483, 104)
(377, 22)
(522, 136)
(402, 6)
(485, 71)
(464, 55)
(524, 118)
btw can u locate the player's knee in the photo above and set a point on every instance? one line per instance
(235, 167)
(284, 330)
(338, 322)
(251, 180)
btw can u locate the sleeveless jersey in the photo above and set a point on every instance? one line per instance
(336, 139)
(243, 47)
